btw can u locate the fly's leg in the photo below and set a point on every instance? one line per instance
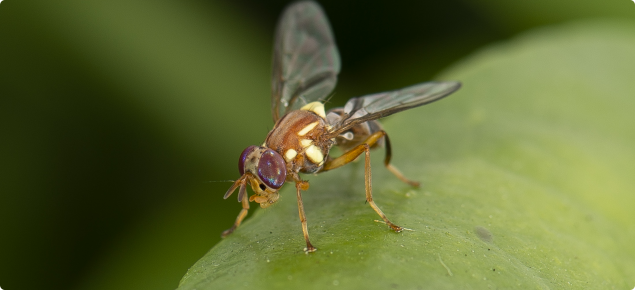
(303, 185)
(243, 212)
(372, 139)
(349, 157)
(392, 168)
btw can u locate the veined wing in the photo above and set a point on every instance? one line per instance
(375, 106)
(305, 59)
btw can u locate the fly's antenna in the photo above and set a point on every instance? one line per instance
(220, 181)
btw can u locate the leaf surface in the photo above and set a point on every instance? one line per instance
(526, 179)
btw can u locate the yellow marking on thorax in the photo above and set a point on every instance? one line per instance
(305, 143)
(290, 154)
(315, 107)
(314, 154)
(308, 128)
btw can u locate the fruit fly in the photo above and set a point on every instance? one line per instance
(305, 67)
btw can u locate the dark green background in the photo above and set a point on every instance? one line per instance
(114, 116)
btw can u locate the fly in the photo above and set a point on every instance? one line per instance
(305, 67)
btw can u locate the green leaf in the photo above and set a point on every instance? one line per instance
(527, 181)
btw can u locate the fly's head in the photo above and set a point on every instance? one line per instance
(265, 170)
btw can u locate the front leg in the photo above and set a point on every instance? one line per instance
(352, 155)
(303, 185)
(242, 198)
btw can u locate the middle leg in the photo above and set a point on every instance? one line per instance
(352, 155)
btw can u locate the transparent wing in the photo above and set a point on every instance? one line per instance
(305, 59)
(371, 107)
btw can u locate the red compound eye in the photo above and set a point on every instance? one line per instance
(272, 169)
(243, 157)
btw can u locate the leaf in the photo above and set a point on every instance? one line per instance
(526, 183)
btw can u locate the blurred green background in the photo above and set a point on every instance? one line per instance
(116, 115)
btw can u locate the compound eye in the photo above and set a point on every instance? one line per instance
(243, 157)
(272, 169)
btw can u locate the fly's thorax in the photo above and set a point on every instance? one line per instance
(301, 137)
(266, 171)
